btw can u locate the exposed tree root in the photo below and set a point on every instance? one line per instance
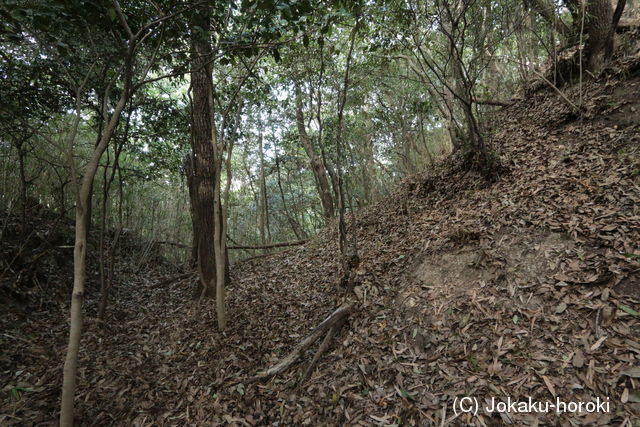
(330, 325)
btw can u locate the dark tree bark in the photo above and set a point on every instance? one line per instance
(598, 22)
(202, 176)
(617, 14)
(599, 26)
(23, 185)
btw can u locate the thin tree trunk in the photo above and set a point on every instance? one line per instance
(265, 233)
(106, 274)
(219, 219)
(80, 247)
(295, 226)
(23, 186)
(617, 14)
(317, 165)
(348, 244)
(101, 240)
(254, 193)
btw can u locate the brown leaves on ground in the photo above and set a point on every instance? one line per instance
(525, 288)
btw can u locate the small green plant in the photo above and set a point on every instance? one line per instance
(629, 310)
(240, 389)
(473, 361)
(15, 392)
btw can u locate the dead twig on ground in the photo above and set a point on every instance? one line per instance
(336, 318)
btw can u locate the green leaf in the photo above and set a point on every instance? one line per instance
(14, 394)
(404, 393)
(629, 310)
(19, 14)
(240, 389)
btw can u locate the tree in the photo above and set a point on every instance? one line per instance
(112, 39)
(595, 19)
(202, 170)
(317, 164)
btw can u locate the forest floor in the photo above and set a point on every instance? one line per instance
(528, 287)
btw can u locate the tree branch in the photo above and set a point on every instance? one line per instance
(337, 317)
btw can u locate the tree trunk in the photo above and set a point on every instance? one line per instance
(617, 14)
(220, 218)
(369, 169)
(599, 17)
(407, 141)
(476, 153)
(80, 249)
(265, 233)
(189, 171)
(347, 241)
(295, 226)
(106, 272)
(23, 186)
(202, 186)
(317, 165)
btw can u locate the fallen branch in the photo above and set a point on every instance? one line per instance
(335, 319)
(270, 246)
(493, 102)
(323, 347)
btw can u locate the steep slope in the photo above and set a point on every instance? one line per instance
(528, 287)
(517, 289)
